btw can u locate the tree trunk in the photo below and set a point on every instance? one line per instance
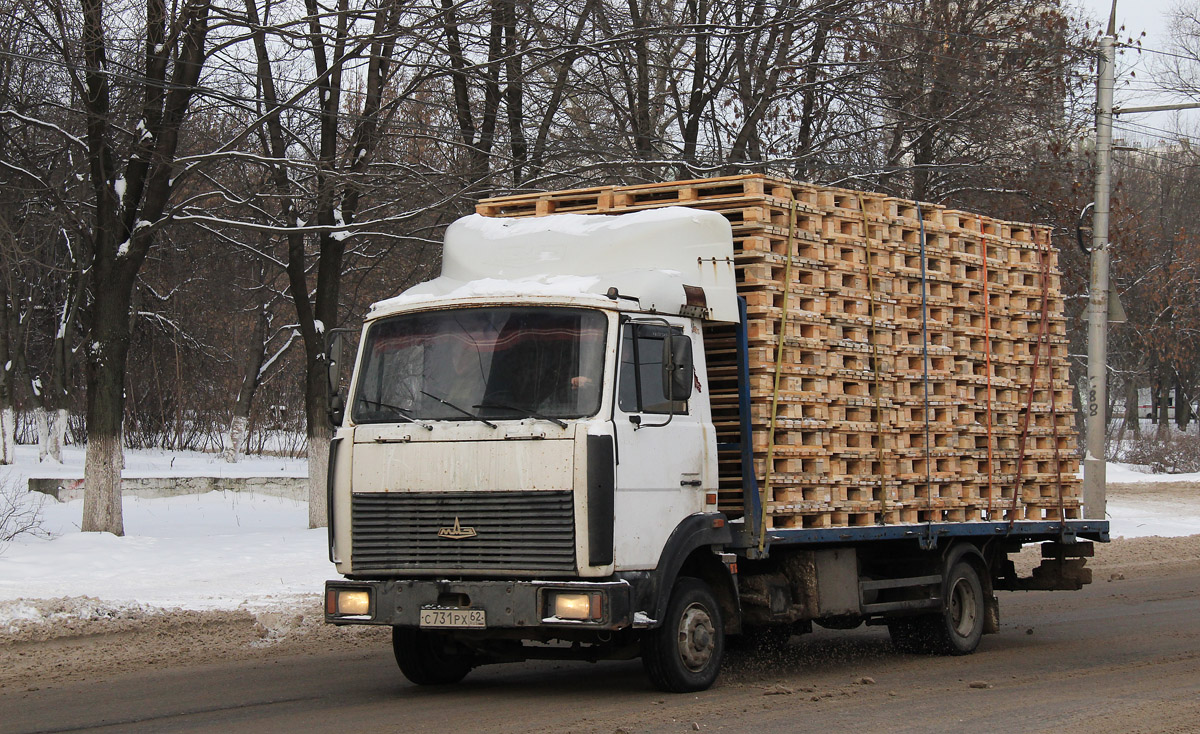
(102, 470)
(514, 92)
(8, 434)
(319, 434)
(58, 433)
(639, 96)
(1132, 420)
(251, 369)
(8, 427)
(811, 103)
(1163, 408)
(1183, 408)
(235, 437)
(106, 406)
(43, 432)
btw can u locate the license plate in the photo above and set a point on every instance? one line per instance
(460, 618)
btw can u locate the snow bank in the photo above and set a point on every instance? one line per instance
(1136, 474)
(1137, 517)
(220, 550)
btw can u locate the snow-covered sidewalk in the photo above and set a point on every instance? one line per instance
(220, 550)
(1141, 504)
(231, 550)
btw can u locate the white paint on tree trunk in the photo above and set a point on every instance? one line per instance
(42, 422)
(102, 485)
(58, 434)
(318, 470)
(8, 435)
(235, 438)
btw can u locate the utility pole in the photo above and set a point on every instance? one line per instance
(1094, 469)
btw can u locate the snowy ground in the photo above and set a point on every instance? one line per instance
(221, 550)
(229, 550)
(1142, 504)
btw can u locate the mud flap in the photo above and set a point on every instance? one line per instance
(1062, 568)
(991, 622)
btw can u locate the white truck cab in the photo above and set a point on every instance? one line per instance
(527, 438)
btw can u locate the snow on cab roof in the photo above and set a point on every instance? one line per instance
(649, 254)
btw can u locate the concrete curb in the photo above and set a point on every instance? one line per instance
(67, 489)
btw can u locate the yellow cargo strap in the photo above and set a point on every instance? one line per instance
(765, 492)
(876, 387)
(987, 348)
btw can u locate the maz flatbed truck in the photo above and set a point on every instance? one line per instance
(527, 467)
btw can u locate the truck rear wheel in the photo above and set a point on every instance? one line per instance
(957, 629)
(685, 653)
(429, 658)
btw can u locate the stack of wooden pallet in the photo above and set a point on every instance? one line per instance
(907, 362)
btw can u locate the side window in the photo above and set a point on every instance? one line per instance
(640, 382)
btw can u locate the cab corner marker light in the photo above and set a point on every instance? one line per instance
(353, 602)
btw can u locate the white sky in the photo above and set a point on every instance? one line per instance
(1135, 15)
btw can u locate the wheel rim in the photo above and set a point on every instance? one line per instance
(964, 608)
(697, 638)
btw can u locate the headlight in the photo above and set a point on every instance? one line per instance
(567, 605)
(348, 602)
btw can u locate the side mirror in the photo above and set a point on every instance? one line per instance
(333, 356)
(678, 369)
(337, 409)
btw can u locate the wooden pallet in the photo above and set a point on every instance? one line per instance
(946, 305)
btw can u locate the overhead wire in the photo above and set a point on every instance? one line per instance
(447, 129)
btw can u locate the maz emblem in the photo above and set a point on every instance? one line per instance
(457, 532)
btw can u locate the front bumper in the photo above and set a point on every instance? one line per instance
(507, 604)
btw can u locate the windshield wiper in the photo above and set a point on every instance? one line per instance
(526, 411)
(467, 413)
(403, 413)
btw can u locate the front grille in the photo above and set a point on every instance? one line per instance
(514, 531)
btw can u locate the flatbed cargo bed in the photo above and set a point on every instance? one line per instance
(929, 534)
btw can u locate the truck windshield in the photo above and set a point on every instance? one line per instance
(472, 363)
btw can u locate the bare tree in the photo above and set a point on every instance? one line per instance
(961, 86)
(1157, 270)
(129, 203)
(339, 41)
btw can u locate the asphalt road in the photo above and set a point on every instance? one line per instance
(1121, 655)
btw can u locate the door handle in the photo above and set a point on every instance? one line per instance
(689, 483)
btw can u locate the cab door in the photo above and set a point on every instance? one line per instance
(663, 445)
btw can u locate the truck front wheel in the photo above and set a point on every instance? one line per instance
(957, 629)
(685, 653)
(429, 658)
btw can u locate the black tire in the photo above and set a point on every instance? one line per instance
(429, 658)
(957, 629)
(685, 653)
